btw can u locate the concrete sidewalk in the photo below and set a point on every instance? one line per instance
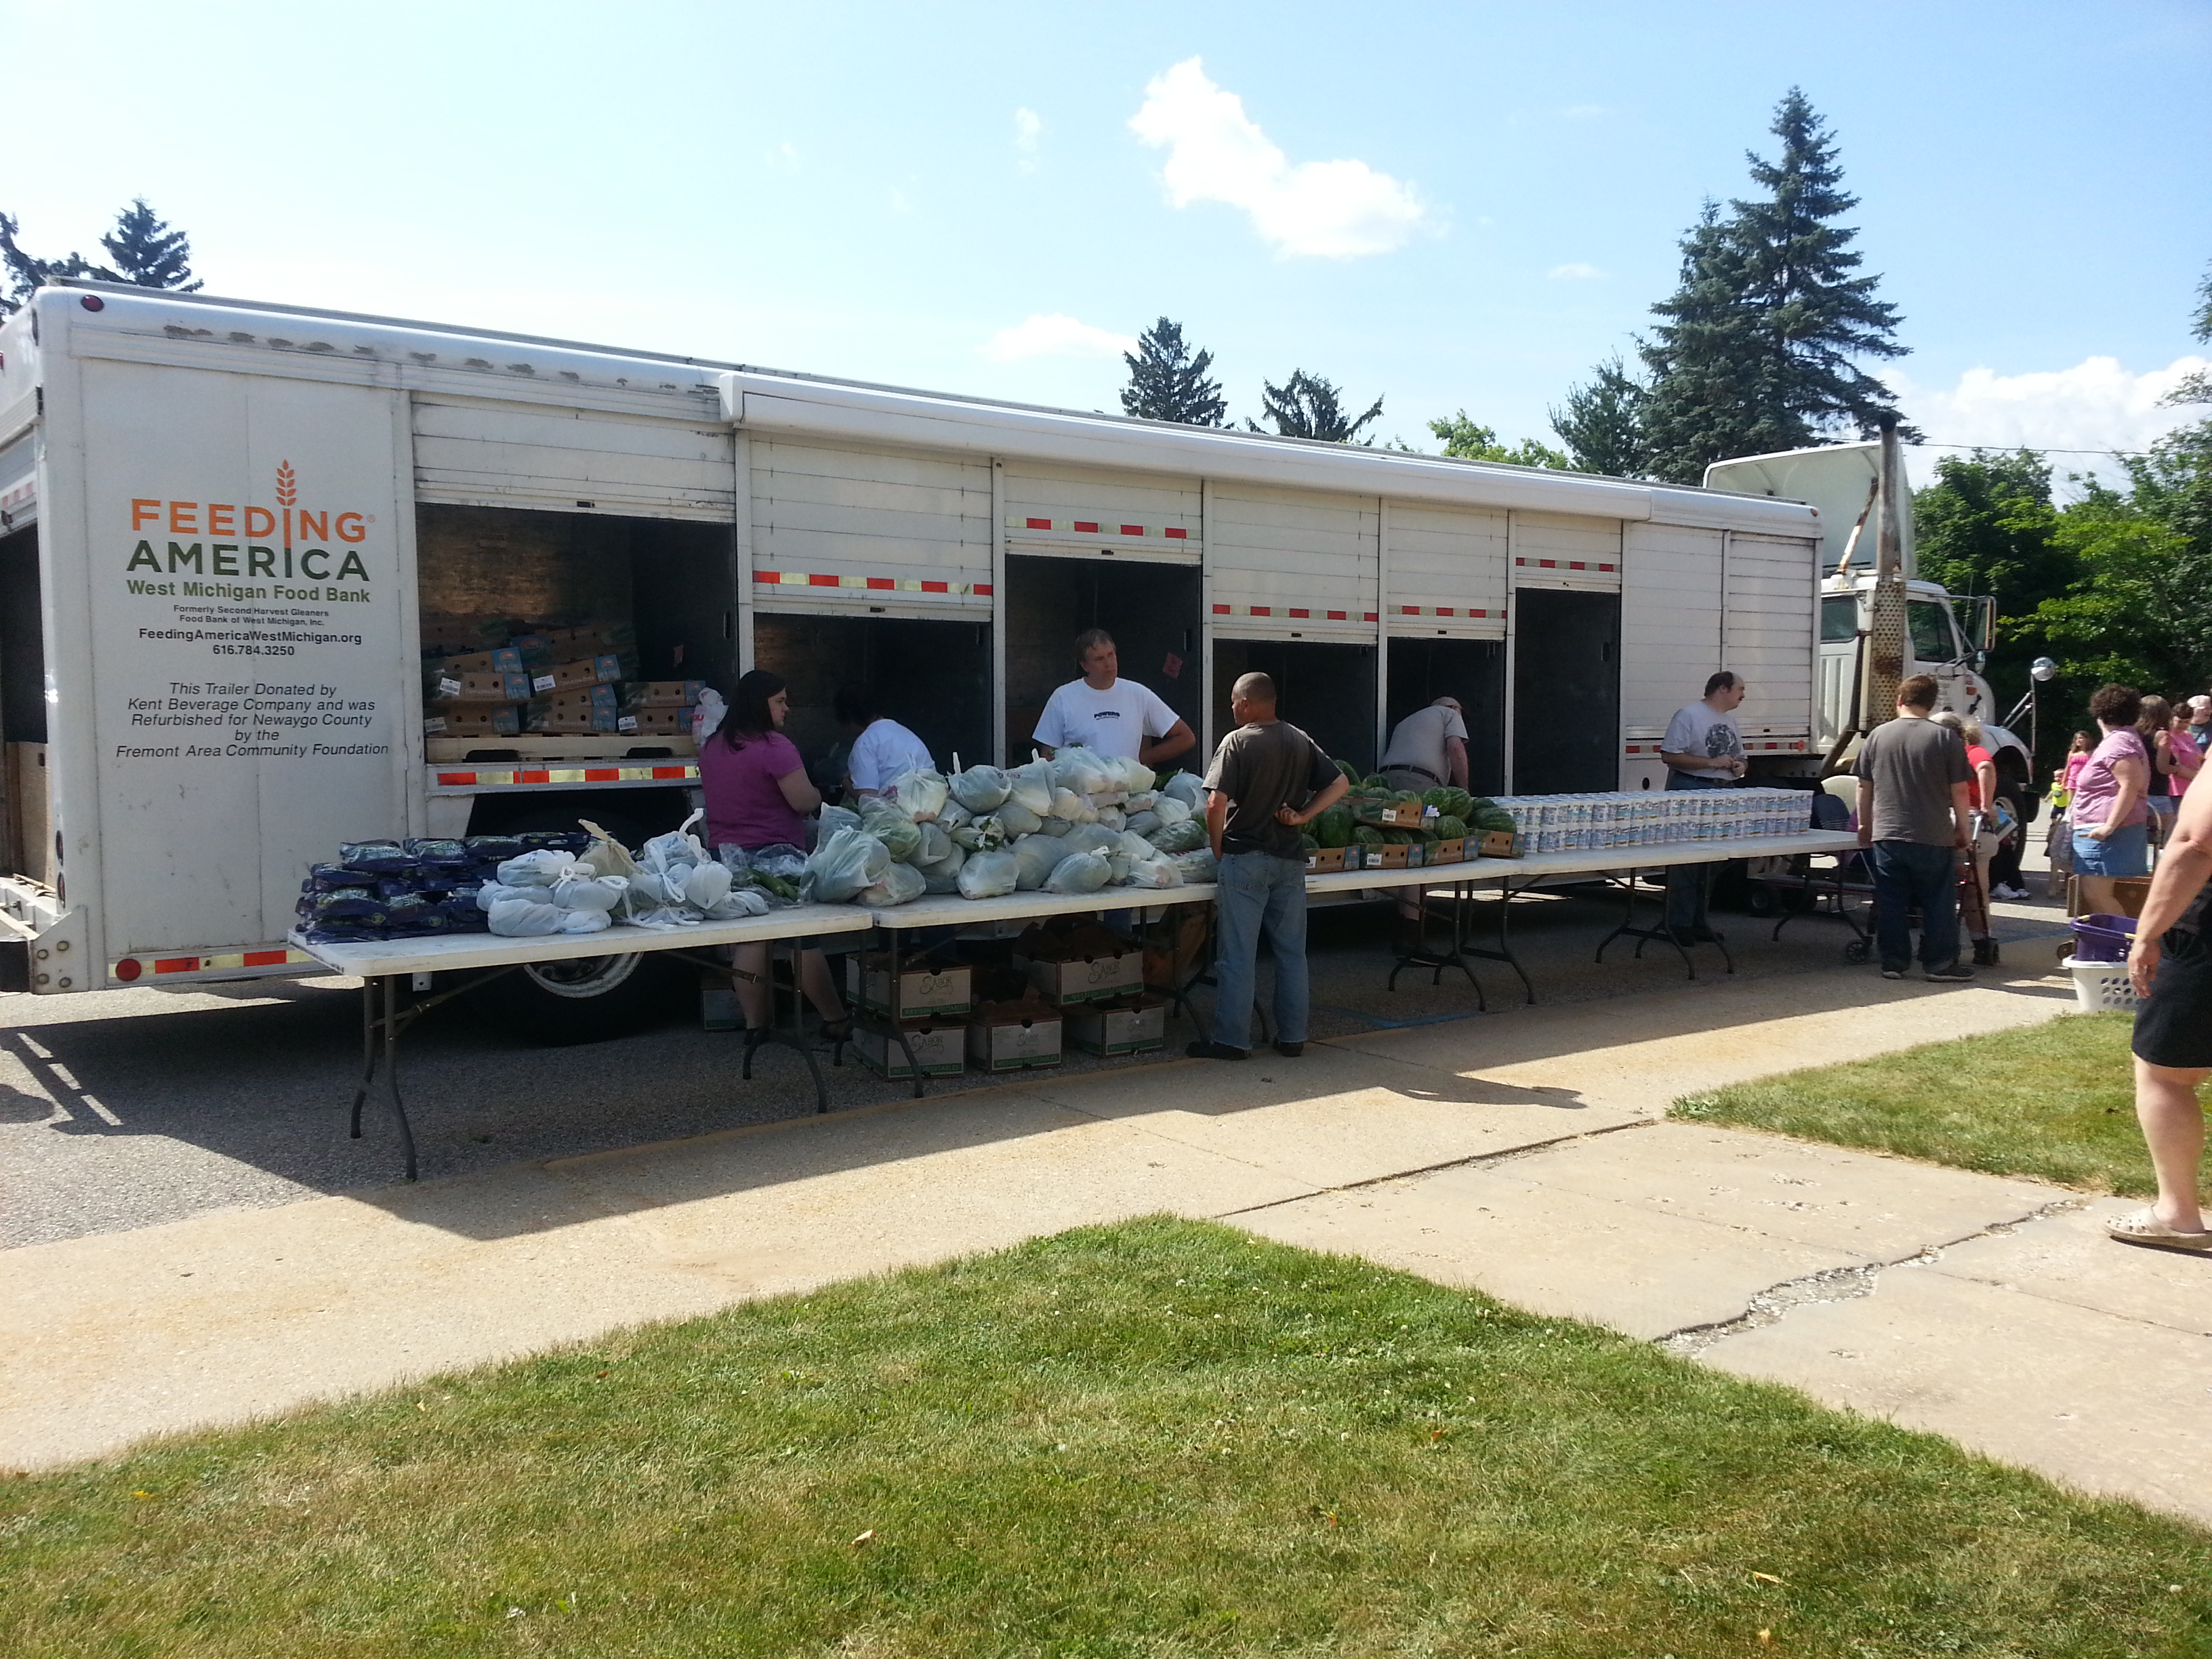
(1522, 1153)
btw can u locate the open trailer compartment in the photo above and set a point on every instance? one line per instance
(1150, 609)
(1473, 671)
(1324, 688)
(1566, 691)
(26, 814)
(935, 679)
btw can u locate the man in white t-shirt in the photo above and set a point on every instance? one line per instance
(883, 748)
(1110, 715)
(1703, 750)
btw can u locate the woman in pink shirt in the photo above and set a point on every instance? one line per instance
(757, 795)
(2108, 814)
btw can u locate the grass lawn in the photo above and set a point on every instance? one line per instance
(1159, 1438)
(2056, 1101)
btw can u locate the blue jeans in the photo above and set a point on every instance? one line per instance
(1259, 894)
(1905, 874)
(1690, 886)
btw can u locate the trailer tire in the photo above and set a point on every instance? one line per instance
(558, 1005)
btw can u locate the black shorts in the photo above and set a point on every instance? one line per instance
(2173, 1027)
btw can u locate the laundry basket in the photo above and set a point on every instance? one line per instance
(2102, 986)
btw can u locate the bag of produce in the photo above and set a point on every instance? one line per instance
(1178, 838)
(1186, 787)
(494, 850)
(1090, 838)
(1140, 824)
(920, 795)
(1154, 872)
(1018, 820)
(582, 892)
(1036, 855)
(844, 864)
(1170, 809)
(780, 860)
(1112, 816)
(538, 869)
(980, 788)
(902, 884)
(1083, 771)
(353, 904)
(1074, 807)
(606, 856)
(943, 875)
(953, 815)
(984, 834)
(1130, 772)
(738, 903)
(584, 921)
(833, 820)
(1056, 828)
(1199, 867)
(1078, 873)
(375, 857)
(1030, 787)
(706, 885)
(882, 820)
(935, 844)
(1141, 800)
(522, 918)
(989, 875)
(440, 855)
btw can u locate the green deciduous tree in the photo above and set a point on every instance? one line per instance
(1756, 350)
(1167, 383)
(1601, 423)
(1308, 406)
(1467, 439)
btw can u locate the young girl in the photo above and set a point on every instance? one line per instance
(2058, 835)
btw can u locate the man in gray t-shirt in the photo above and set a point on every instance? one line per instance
(1913, 818)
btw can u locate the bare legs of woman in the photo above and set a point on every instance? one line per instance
(751, 964)
(2097, 896)
(2174, 1126)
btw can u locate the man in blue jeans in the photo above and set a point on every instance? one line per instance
(1703, 750)
(1913, 777)
(1269, 779)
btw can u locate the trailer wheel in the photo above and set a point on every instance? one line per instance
(585, 999)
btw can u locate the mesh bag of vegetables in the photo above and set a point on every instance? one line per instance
(888, 824)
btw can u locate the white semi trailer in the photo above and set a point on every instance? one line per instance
(228, 528)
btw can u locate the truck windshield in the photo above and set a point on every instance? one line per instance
(1932, 639)
(1839, 618)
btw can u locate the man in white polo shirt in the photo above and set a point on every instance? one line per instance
(1110, 715)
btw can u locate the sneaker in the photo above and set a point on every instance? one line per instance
(1290, 1050)
(1893, 970)
(1215, 1051)
(1957, 974)
(2009, 893)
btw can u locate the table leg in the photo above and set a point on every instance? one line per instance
(1643, 936)
(1503, 950)
(796, 1037)
(1455, 955)
(382, 1021)
(898, 1025)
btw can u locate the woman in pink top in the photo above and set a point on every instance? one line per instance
(2185, 752)
(757, 794)
(2108, 814)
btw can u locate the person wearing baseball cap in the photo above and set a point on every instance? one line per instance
(2200, 722)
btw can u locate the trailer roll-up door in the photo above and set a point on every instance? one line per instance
(471, 452)
(1765, 638)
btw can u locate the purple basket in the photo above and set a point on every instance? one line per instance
(2100, 937)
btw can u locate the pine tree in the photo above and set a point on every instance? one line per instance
(1307, 406)
(1756, 348)
(1603, 423)
(147, 253)
(1166, 383)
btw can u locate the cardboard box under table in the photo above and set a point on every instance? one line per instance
(915, 1050)
(1014, 1037)
(1132, 1025)
(924, 992)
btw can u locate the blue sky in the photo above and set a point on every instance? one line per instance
(1450, 206)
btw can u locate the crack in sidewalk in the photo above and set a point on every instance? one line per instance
(1775, 1302)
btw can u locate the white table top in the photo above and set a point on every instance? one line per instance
(1537, 866)
(950, 910)
(373, 958)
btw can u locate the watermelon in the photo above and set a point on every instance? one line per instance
(1366, 836)
(1451, 829)
(1408, 798)
(1333, 827)
(1437, 798)
(1351, 772)
(1494, 818)
(1307, 844)
(1398, 837)
(1376, 781)
(1476, 804)
(1459, 805)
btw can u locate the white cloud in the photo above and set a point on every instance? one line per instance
(1055, 336)
(1574, 273)
(1216, 153)
(1028, 129)
(1583, 112)
(2097, 404)
(785, 155)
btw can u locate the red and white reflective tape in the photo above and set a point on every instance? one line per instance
(1446, 611)
(1294, 612)
(1567, 564)
(1112, 527)
(493, 777)
(867, 584)
(128, 970)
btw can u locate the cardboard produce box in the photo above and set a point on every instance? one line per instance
(662, 694)
(503, 660)
(657, 722)
(1397, 815)
(589, 723)
(1408, 857)
(1501, 844)
(1446, 851)
(1086, 978)
(1129, 1026)
(479, 719)
(924, 992)
(478, 685)
(937, 1049)
(1325, 861)
(584, 700)
(603, 670)
(1014, 1037)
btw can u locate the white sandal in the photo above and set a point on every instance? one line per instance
(2144, 1227)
